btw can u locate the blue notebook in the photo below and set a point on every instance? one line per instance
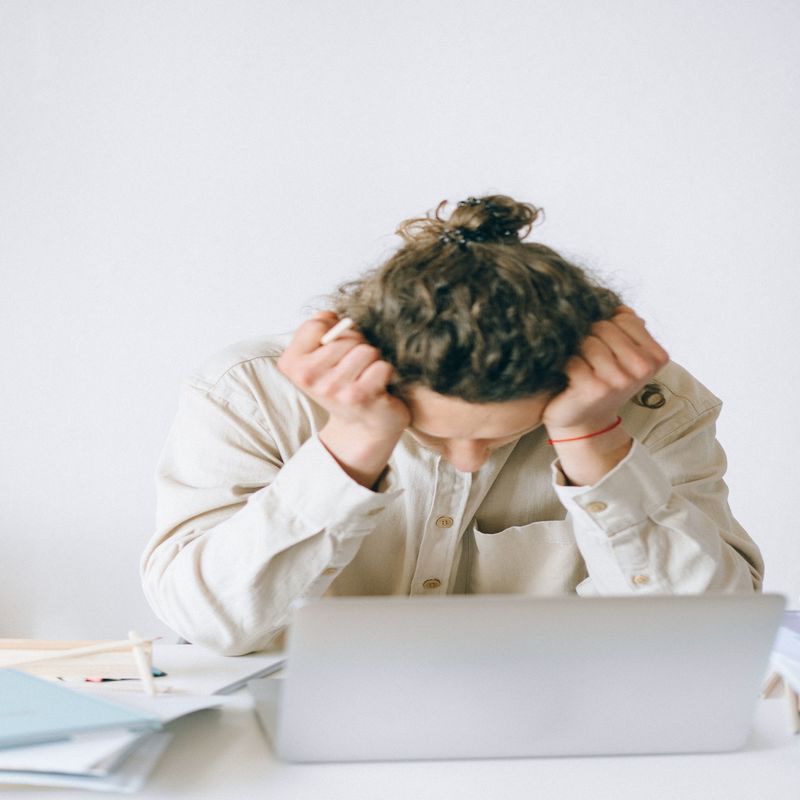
(33, 711)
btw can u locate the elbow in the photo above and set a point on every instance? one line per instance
(736, 573)
(195, 613)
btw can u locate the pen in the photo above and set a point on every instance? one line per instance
(340, 327)
(142, 662)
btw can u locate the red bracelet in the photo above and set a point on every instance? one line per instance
(588, 435)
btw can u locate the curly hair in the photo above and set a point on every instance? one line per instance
(468, 309)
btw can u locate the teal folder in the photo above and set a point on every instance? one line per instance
(33, 710)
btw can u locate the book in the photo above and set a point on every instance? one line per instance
(34, 710)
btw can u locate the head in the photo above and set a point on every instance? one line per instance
(478, 323)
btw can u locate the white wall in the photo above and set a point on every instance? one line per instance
(175, 176)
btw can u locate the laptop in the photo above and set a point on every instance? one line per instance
(500, 676)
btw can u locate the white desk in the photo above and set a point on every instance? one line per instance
(223, 754)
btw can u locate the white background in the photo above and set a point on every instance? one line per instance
(176, 176)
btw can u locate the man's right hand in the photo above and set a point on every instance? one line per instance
(347, 378)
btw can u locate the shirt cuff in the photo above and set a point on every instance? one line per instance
(323, 495)
(621, 499)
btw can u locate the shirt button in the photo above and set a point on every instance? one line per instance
(432, 583)
(640, 580)
(596, 507)
(444, 522)
(330, 571)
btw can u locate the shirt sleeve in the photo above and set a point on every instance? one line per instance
(660, 522)
(241, 534)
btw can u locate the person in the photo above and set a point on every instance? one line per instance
(495, 421)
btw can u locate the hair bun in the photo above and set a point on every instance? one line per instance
(493, 218)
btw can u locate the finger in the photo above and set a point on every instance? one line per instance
(350, 366)
(577, 368)
(578, 372)
(621, 334)
(376, 377)
(306, 337)
(583, 380)
(633, 360)
(636, 330)
(623, 309)
(306, 370)
(327, 356)
(604, 363)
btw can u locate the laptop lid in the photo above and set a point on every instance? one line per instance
(387, 678)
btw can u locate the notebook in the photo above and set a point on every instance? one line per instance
(386, 678)
(33, 710)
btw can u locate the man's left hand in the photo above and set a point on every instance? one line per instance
(617, 359)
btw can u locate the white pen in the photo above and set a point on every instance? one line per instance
(340, 327)
(143, 664)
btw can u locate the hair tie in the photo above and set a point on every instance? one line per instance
(454, 236)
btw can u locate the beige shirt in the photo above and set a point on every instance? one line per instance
(254, 513)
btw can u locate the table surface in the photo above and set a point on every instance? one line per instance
(222, 753)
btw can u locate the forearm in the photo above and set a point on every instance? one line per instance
(683, 553)
(361, 455)
(639, 534)
(227, 579)
(228, 591)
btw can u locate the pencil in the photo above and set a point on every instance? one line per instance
(340, 327)
(105, 647)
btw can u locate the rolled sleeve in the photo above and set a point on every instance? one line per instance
(659, 522)
(318, 491)
(244, 530)
(624, 498)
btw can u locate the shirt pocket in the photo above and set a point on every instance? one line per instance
(540, 558)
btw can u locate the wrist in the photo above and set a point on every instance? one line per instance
(585, 461)
(361, 453)
(584, 429)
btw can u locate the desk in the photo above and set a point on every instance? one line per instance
(222, 754)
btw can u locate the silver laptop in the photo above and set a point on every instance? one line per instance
(498, 676)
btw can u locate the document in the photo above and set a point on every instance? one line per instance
(33, 710)
(786, 651)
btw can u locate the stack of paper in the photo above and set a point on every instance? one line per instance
(786, 651)
(121, 760)
(117, 762)
(49, 729)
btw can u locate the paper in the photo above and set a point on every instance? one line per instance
(81, 754)
(788, 670)
(785, 657)
(197, 670)
(165, 707)
(791, 621)
(787, 642)
(128, 777)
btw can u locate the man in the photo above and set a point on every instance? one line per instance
(495, 422)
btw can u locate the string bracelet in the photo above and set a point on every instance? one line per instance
(588, 435)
